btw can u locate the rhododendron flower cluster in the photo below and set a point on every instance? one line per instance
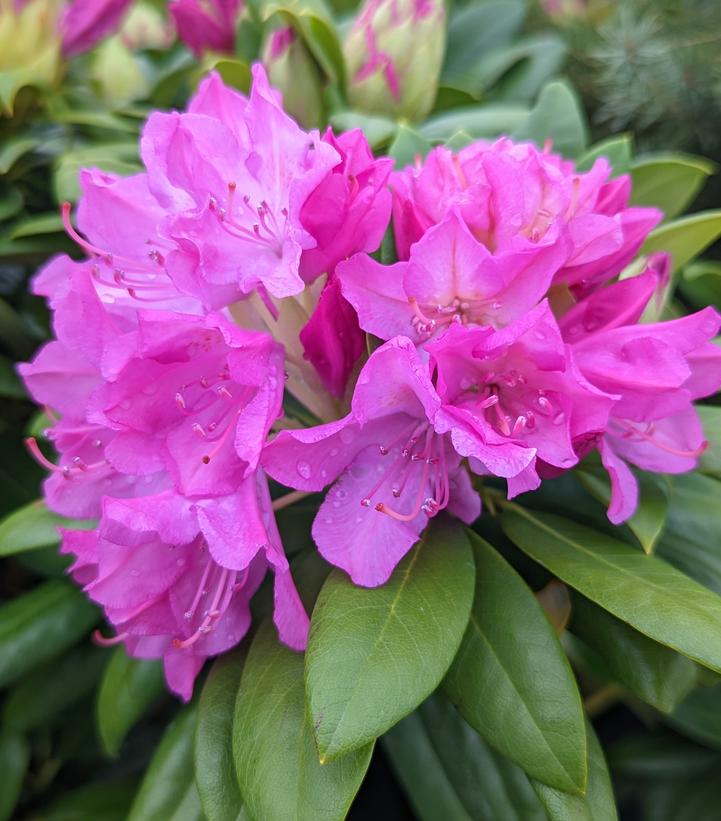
(240, 269)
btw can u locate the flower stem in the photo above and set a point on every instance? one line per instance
(289, 499)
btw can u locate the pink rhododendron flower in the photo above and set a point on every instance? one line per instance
(236, 173)
(657, 370)
(513, 196)
(206, 25)
(350, 209)
(175, 576)
(84, 23)
(450, 278)
(515, 396)
(392, 470)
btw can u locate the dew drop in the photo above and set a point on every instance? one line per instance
(559, 418)
(366, 502)
(334, 452)
(347, 436)
(135, 573)
(180, 562)
(304, 469)
(568, 462)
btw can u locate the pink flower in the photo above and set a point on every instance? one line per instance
(513, 196)
(236, 174)
(514, 398)
(392, 470)
(350, 209)
(450, 278)
(206, 26)
(85, 22)
(175, 576)
(332, 340)
(657, 371)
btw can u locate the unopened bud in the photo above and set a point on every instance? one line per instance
(394, 54)
(294, 72)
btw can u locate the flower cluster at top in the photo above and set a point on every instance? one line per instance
(239, 269)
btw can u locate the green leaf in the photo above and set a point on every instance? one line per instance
(557, 116)
(405, 634)
(669, 181)
(379, 131)
(684, 238)
(103, 801)
(168, 790)
(598, 804)
(648, 521)
(120, 157)
(473, 31)
(617, 150)
(273, 746)
(235, 73)
(700, 283)
(644, 591)
(659, 755)
(478, 121)
(711, 458)
(699, 716)
(34, 526)
(657, 675)
(14, 148)
(36, 225)
(534, 719)
(14, 760)
(407, 145)
(692, 538)
(448, 771)
(10, 385)
(11, 201)
(44, 695)
(40, 625)
(128, 689)
(214, 766)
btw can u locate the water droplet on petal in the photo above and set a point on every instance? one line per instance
(347, 436)
(559, 418)
(304, 469)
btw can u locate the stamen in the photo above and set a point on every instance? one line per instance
(108, 641)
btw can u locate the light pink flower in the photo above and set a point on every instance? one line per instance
(175, 576)
(514, 398)
(206, 25)
(450, 278)
(513, 196)
(236, 174)
(391, 469)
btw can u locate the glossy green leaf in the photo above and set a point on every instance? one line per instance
(168, 791)
(407, 145)
(235, 73)
(128, 689)
(478, 121)
(598, 804)
(648, 521)
(535, 720)
(449, 772)
(710, 461)
(214, 766)
(692, 538)
(41, 698)
(558, 117)
(275, 754)
(36, 225)
(617, 150)
(657, 675)
(684, 238)
(668, 181)
(14, 760)
(474, 30)
(34, 526)
(404, 636)
(40, 625)
(699, 716)
(645, 591)
(659, 755)
(700, 284)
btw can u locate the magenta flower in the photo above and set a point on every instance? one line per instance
(513, 196)
(657, 371)
(236, 173)
(514, 398)
(84, 23)
(175, 577)
(392, 470)
(206, 26)
(450, 278)
(350, 209)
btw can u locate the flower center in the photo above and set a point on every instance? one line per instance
(629, 431)
(255, 224)
(78, 465)
(418, 454)
(428, 318)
